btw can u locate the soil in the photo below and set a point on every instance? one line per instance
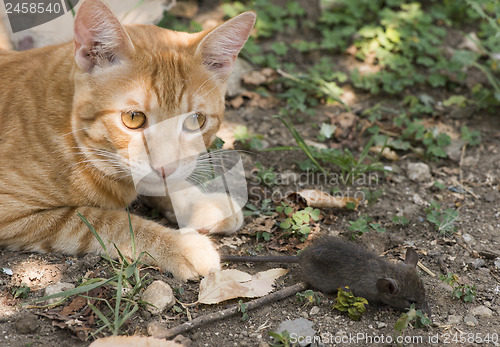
(473, 253)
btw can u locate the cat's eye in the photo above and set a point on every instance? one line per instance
(134, 119)
(194, 122)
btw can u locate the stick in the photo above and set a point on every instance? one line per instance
(160, 331)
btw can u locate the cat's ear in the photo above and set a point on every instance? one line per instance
(221, 46)
(100, 39)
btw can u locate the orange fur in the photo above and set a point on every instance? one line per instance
(60, 105)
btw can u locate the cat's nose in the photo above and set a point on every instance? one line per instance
(164, 171)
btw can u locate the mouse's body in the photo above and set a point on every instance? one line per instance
(329, 263)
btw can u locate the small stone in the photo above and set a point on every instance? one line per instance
(470, 321)
(314, 310)
(418, 172)
(381, 325)
(299, 327)
(477, 263)
(57, 288)
(454, 319)
(304, 314)
(470, 161)
(481, 311)
(445, 287)
(160, 295)
(497, 263)
(468, 238)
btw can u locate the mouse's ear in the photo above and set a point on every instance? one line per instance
(387, 286)
(411, 257)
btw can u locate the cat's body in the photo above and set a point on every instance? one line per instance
(64, 143)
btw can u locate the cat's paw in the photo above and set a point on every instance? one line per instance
(216, 214)
(195, 255)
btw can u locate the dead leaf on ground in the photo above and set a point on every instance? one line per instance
(320, 199)
(254, 100)
(387, 153)
(259, 77)
(223, 285)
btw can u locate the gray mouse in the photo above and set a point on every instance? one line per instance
(329, 263)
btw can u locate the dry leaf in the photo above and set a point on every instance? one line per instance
(387, 153)
(317, 198)
(229, 284)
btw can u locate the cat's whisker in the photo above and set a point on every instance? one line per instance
(74, 131)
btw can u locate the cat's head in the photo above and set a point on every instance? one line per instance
(149, 99)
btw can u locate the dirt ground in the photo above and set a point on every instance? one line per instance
(470, 254)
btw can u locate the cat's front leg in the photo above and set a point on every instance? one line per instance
(184, 252)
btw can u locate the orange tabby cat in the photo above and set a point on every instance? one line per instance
(69, 114)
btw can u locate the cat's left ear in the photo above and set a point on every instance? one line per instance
(100, 39)
(221, 46)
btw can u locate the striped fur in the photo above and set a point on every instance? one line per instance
(62, 142)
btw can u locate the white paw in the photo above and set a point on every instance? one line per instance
(196, 255)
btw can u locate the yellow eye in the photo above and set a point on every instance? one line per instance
(134, 119)
(194, 122)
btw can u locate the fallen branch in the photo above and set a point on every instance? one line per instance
(159, 330)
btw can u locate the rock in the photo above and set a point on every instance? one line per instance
(454, 319)
(234, 84)
(314, 310)
(27, 324)
(470, 161)
(418, 172)
(381, 325)
(481, 311)
(468, 239)
(160, 295)
(470, 320)
(297, 327)
(478, 263)
(57, 288)
(454, 150)
(497, 263)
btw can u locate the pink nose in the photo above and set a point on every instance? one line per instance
(164, 171)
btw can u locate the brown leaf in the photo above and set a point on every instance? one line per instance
(386, 153)
(76, 305)
(320, 199)
(229, 284)
(259, 77)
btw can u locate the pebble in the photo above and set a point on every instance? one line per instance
(418, 172)
(481, 311)
(160, 295)
(300, 327)
(477, 263)
(497, 263)
(454, 319)
(57, 288)
(468, 238)
(470, 320)
(381, 325)
(314, 310)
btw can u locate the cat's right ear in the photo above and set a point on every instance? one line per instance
(100, 39)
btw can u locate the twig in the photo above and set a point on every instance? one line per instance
(424, 268)
(160, 331)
